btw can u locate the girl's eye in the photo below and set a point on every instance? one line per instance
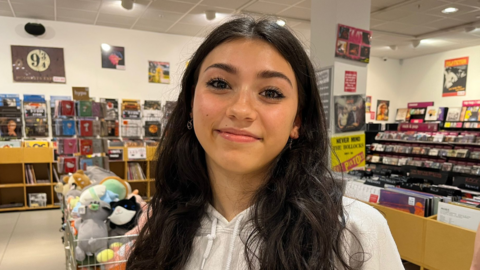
(272, 94)
(218, 83)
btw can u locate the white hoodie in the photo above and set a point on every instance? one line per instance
(217, 245)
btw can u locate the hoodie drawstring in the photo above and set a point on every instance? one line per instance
(210, 237)
(232, 241)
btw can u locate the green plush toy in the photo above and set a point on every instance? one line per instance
(118, 186)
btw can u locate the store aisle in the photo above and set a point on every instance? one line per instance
(31, 240)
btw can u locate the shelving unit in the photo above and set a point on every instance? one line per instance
(13, 187)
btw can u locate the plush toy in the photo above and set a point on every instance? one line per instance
(110, 189)
(78, 181)
(124, 217)
(93, 232)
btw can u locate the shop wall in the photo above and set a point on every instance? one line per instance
(383, 83)
(81, 44)
(422, 78)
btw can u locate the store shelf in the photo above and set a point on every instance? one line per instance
(39, 185)
(11, 155)
(138, 181)
(51, 206)
(12, 209)
(11, 185)
(425, 142)
(37, 155)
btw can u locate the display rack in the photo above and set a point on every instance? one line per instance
(14, 189)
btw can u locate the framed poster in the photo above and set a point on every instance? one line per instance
(113, 57)
(353, 43)
(382, 110)
(455, 77)
(158, 72)
(368, 104)
(350, 151)
(349, 113)
(38, 64)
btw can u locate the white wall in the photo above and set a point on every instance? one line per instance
(81, 45)
(383, 82)
(422, 78)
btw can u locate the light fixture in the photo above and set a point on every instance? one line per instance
(281, 22)
(393, 47)
(210, 14)
(450, 10)
(106, 47)
(127, 4)
(415, 43)
(470, 28)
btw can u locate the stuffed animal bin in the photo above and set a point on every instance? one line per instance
(93, 232)
(124, 217)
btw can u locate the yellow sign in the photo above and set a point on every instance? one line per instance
(350, 151)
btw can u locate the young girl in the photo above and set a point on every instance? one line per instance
(243, 178)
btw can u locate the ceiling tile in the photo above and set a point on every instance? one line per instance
(422, 5)
(385, 3)
(473, 3)
(390, 38)
(459, 37)
(283, 2)
(200, 9)
(186, 29)
(468, 17)
(6, 13)
(152, 25)
(419, 19)
(302, 26)
(305, 4)
(391, 15)
(155, 14)
(445, 23)
(185, 1)
(34, 11)
(266, 8)
(5, 6)
(77, 15)
(229, 4)
(115, 8)
(79, 4)
(48, 3)
(405, 29)
(297, 12)
(115, 19)
(375, 22)
(165, 5)
(75, 20)
(113, 25)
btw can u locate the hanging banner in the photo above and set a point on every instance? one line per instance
(350, 151)
(350, 81)
(324, 85)
(38, 64)
(353, 43)
(455, 77)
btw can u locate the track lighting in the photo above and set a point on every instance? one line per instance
(127, 4)
(415, 43)
(211, 15)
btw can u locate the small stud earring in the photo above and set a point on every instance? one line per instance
(190, 124)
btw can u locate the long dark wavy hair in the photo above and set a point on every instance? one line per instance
(297, 215)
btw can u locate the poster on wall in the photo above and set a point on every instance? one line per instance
(350, 81)
(353, 43)
(382, 110)
(38, 64)
(455, 77)
(368, 104)
(113, 57)
(349, 113)
(158, 72)
(350, 151)
(324, 85)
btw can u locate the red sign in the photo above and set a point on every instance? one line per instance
(417, 105)
(416, 121)
(418, 127)
(351, 81)
(468, 103)
(373, 198)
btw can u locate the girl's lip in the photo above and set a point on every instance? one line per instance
(237, 135)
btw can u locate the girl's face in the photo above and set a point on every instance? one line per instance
(245, 106)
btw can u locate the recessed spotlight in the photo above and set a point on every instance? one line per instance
(281, 22)
(416, 43)
(127, 4)
(106, 47)
(450, 10)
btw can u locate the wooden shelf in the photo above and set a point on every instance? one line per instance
(50, 206)
(12, 209)
(11, 155)
(12, 185)
(138, 181)
(39, 185)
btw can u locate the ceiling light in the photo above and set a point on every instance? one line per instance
(450, 10)
(106, 47)
(127, 4)
(393, 47)
(281, 22)
(210, 14)
(415, 43)
(470, 28)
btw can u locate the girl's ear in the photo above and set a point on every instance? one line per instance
(295, 133)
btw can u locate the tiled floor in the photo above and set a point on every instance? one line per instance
(31, 240)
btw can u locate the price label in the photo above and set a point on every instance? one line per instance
(135, 153)
(411, 201)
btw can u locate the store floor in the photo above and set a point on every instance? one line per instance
(31, 240)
